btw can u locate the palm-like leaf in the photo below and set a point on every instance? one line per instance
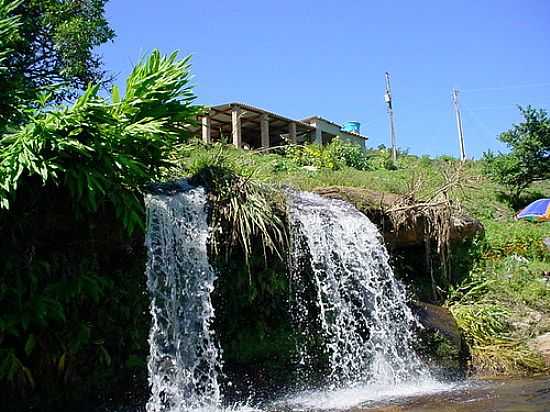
(105, 150)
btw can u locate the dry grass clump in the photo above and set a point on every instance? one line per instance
(493, 349)
(434, 209)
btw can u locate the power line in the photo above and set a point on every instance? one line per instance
(479, 122)
(515, 86)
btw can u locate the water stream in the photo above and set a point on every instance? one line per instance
(185, 361)
(362, 310)
(345, 297)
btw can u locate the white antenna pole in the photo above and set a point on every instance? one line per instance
(388, 99)
(459, 127)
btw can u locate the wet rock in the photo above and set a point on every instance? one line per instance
(440, 340)
(374, 204)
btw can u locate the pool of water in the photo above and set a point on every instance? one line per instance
(510, 395)
(514, 395)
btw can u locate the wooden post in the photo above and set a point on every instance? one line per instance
(292, 133)
(206, 130)
(236, 126)
(264, 127)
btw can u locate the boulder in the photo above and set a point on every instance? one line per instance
(440, 339)
(541, 344)
(438, 319)
(374, 205)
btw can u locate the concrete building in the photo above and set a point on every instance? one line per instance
(249, 126)
(325, 131)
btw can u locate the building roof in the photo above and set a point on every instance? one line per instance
(312, 118)
(221, 114)
(225, 109)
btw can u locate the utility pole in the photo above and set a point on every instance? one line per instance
(459, 127)
(388, 99)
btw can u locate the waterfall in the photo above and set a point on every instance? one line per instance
(345, 299)
(185, 360)
(344, 283)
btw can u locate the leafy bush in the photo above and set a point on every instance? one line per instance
(312, 155)
(529, 155)
(99, 150)
(243, 208)
(334, 156)
(57, 44)
(348, 154)
(9, 35)
(519, 238)
(72, 309)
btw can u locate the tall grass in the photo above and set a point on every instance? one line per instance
(493, 349)
(244, 208)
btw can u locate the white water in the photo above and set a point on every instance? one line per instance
(360, 306)
(361, 395)
(185, 361)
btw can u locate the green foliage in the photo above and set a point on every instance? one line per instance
(56, 45)
(512, 281)
(9, 34)
(313, 155)
(9, 26)
(334, 156)
(381, 159)
(243, 209)
(521, 238)
(100, 150)
(496, 290)
(493, 349)
(529, 156)
(33, 310)
(72, 305)
(348, 154)
(253, 325)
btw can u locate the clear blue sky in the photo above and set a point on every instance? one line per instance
(328, 58)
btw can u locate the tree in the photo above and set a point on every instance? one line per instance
(529, 157)
(71, 209)
(9, 34)
(54, 44)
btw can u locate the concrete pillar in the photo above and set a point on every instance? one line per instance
(292, 133)
(206, 130)
(318, 137)
(264, 128)
(236, 126)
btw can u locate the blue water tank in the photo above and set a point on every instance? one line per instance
(353, 127)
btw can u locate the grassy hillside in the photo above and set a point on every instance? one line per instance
(503, 299)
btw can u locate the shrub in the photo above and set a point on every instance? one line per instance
(72, 308)
(99, 150)
(243, 208)
(334, 156)
(529, 155)
(348, 154)
(519, 238)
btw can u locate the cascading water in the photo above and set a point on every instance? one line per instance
(359, 305)
(185, 360)
(342, 282)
